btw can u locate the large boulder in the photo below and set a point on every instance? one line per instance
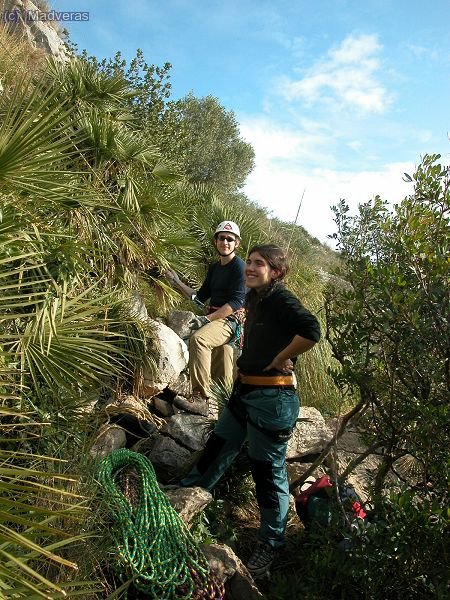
(351, 446)
(228, 568)
(181, 322)
(173, 356)
(182, 385)
(310, 435)
(164, 406)
(188, 502)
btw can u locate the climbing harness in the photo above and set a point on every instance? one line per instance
(236, 321)
(153, 546)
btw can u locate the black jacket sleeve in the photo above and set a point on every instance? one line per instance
(294, 317)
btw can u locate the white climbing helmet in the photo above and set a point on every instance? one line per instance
(228, 227)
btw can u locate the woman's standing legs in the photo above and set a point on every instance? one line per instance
(273, 410)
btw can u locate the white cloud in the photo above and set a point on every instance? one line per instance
(273, 142)
(280, 189)
(424, 135)
(355, 50)
(355, 145)
(347, 77)
(331, 155)
(280, 177)
(422, 51)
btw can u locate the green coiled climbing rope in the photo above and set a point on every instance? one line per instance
(153, 545)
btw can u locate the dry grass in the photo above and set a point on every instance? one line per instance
(19, 61)
(315, 384)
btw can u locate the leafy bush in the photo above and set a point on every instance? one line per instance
(402, 554)
(389, 325)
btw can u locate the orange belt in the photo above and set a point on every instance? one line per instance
(269, 380)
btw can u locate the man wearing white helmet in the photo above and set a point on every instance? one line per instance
(210, 355)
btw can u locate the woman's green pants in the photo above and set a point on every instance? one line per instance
(264, 417)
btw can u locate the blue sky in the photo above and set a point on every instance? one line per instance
(338, 98)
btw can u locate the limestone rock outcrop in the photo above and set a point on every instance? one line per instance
(25, 18)
(173, 356)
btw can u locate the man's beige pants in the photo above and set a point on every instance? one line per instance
(210, 356)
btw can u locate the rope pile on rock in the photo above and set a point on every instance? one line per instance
(153, 546)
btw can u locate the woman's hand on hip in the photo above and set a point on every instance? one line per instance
(284, 365)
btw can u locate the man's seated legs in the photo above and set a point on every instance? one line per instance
(201, 345)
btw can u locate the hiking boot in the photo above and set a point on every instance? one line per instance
(195, 404)
(261, 560)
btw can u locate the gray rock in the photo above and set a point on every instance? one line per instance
(311, 434)
(41, 34)
(296, 470)
(188, 502)
(182, 385)
(170, 460)
(146, 445)
(109, 438)
(189, 430)
(349, 447)
(228, 568)
(181, 322)
(164, 407)
(192, 405)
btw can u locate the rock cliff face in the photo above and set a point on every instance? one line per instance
(27, 19)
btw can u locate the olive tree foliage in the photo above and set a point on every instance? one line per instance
(204, 137)
(389, 326)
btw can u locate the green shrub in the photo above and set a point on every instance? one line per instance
(402, 554)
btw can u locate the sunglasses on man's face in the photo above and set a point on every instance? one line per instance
(225, 238)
